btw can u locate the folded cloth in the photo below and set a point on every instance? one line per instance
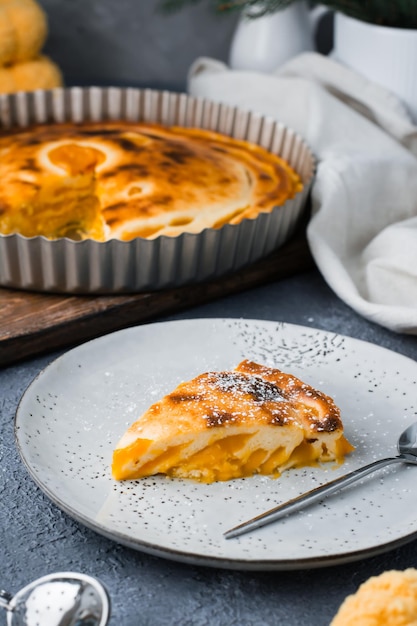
(363, 229)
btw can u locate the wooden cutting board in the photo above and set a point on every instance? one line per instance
(34, 323)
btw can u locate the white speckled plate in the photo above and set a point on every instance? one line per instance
(73, 414)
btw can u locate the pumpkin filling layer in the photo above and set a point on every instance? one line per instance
(232, 424)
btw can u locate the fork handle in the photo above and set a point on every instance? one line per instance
(300, 502)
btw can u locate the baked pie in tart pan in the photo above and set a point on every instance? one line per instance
(112, 190)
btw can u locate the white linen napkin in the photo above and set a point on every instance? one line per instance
(363, 229)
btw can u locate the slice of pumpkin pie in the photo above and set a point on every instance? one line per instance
(230, 424)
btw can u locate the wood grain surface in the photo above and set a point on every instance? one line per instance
(35, 323)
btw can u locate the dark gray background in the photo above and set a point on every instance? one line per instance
(133, 42)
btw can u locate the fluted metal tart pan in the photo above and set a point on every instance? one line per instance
(114, 266)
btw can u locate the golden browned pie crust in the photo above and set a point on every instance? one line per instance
(125, 180)
(229, 424)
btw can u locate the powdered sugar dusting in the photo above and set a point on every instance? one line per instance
(240, 384)
(235, 397)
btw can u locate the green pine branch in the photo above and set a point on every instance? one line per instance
(398, 13)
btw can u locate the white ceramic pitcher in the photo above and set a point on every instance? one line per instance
(263, 43)
(383, 54)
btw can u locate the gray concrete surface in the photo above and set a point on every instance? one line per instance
(132, 42)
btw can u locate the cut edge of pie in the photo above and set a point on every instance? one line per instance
(232, 424)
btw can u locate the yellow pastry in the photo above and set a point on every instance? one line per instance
(38, 73)
(230, 424)
(389, 599)
(23, 30)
